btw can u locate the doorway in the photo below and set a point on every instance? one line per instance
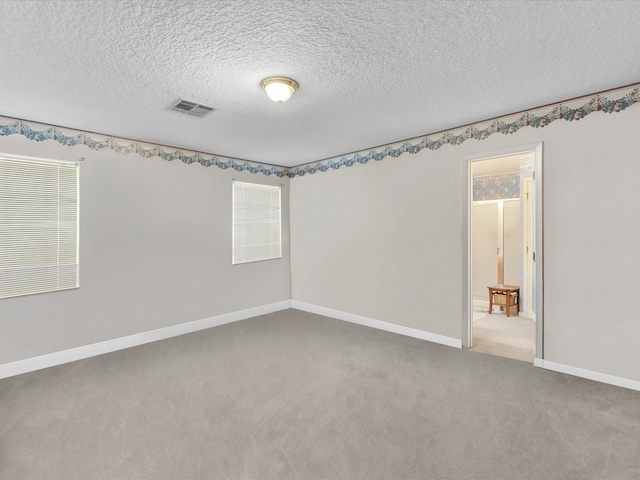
(503, 231)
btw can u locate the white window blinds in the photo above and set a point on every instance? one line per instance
(38, 225)
(256, 222)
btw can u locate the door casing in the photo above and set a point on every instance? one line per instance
(538, 236)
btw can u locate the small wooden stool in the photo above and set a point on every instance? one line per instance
(505, 296)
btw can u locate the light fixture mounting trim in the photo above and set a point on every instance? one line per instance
(279, 89)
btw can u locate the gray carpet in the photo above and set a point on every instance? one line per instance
(298, 396)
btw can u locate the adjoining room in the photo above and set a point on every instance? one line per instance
(502, 262)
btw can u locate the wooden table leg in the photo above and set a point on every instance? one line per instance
(490, 301)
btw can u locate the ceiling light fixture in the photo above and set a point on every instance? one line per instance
(279, 89)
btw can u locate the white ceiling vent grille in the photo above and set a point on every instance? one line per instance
(192, 108)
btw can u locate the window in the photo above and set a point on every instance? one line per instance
(38, 225)
(256, 222)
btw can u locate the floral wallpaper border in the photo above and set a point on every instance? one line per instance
(72, 138)
(506, 125)
(496, 187)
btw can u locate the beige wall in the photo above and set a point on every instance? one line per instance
(155, 251)
(385, 240)
(382, 240)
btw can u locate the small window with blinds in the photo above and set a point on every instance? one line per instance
(38, 225)
(256, 222)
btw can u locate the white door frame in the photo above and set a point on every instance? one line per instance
(528, 273)
(467, 302)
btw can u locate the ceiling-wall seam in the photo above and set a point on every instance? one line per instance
(574, 110)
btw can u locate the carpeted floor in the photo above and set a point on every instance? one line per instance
(510, 337)
(293, 395)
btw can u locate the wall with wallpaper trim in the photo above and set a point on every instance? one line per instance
(382, 240)
(155, 251)
(385, 240)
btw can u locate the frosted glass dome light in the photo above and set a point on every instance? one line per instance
(279, 89)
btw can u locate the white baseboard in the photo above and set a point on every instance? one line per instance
(379, 324)
(484, 304)
(588, 374)
(50, 360)
(44, 361)
(480, 303)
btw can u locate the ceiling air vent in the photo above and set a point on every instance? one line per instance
(192, 108)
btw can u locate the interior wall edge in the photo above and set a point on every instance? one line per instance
(86, 351)
(377, 324)
(588, 374)
(536, 117)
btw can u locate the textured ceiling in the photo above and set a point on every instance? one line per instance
(370, 71)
